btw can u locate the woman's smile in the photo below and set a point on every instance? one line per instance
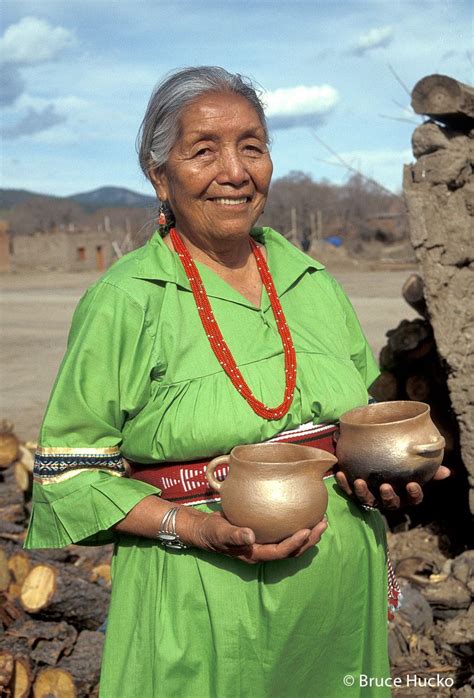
(231, 202)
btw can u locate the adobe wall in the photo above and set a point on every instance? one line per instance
(62, 251)
(5, 257)
(439, 193)
(40, 251)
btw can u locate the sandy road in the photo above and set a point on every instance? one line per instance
(36, 309)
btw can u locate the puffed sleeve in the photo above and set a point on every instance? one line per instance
(81, 487)
(361, 353)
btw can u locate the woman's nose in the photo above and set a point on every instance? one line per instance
(232, 169)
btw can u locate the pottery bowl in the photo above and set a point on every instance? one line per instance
(274, 489)
(394, 442)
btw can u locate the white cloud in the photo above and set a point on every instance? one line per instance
(32, 41)
(377, 37)
(300, 106)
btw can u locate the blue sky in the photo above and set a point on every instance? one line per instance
(77, 75)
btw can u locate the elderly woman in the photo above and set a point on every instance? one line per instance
(215, 333)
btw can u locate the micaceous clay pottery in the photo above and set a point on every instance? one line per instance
(274, 489)
(394, 442)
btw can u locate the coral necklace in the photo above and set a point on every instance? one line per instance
(217, 342)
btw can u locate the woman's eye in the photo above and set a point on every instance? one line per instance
(202, 151)
(252, 148)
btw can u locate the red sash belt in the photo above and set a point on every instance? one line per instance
(186, 483)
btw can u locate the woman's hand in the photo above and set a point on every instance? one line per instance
(388, 497)
(214, 532)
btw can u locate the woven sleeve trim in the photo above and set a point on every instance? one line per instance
(53, 465)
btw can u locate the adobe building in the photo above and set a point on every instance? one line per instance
(63, 251)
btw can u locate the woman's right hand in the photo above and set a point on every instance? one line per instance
(213, 532)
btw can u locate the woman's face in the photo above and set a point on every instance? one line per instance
(218, 172)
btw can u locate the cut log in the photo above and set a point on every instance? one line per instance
(23, 477)
(13, 513)
(89, 557)
(54, 683)
(19, 565)
(22, 678)
(387, 359)
(101, 574)
(417, 388)
(413, 293)
(11, 531)
(26, 458)
(412, 337)
(42, 641)
(7, 664)
(443, 98)
(11, 499)
(84, 662)
(385, 387)
(9, 444)
(13, 591)
(53, 640)
(57, 594)
(10, 612)
(5, 577)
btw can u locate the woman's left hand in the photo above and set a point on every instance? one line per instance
(294, 546)
(387, 496)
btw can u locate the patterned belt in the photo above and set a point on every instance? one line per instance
(186, 483)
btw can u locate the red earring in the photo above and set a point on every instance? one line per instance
(162, 217)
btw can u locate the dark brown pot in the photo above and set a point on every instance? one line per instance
(394, 442)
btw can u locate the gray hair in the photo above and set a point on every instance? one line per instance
(160, 126)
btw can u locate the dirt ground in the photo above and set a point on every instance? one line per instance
(36, 309)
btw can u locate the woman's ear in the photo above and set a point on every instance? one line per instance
(160, 183)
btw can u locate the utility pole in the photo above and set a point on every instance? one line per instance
(313, 229)
(293, 234)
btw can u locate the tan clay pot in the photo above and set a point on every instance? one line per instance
(274, 489)
(394, 442)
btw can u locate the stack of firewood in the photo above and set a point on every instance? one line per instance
(411, 368)
(53, 603)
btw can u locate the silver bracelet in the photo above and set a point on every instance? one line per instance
(167, 535)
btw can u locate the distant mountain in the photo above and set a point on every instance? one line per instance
(13, 197)
(106, 197)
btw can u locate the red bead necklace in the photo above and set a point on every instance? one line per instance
(217, 341)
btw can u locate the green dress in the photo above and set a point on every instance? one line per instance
(140, 379)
